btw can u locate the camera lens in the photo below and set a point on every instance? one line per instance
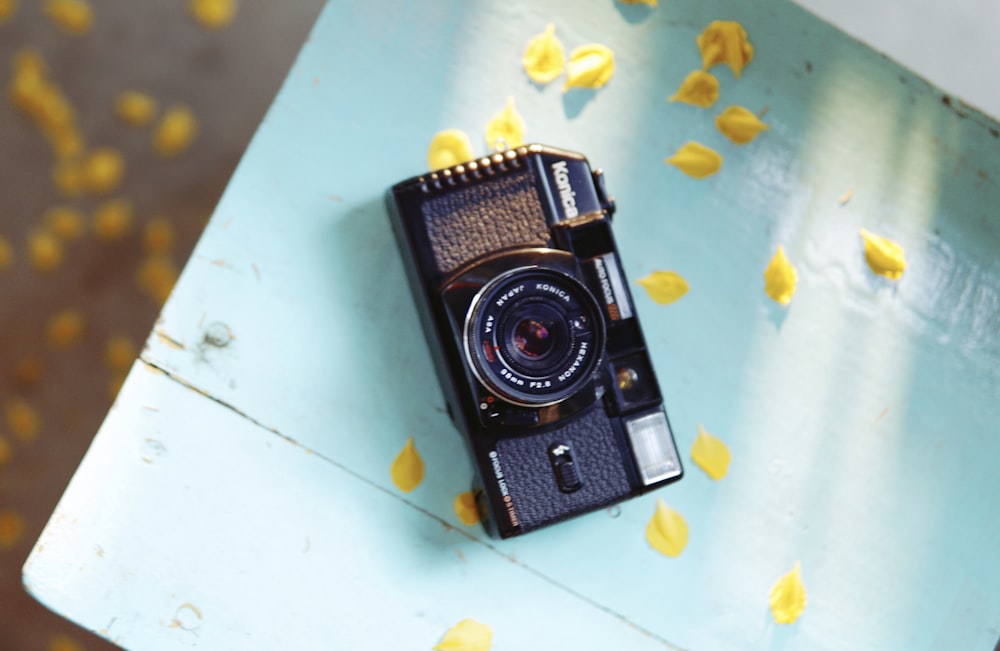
(534, 336)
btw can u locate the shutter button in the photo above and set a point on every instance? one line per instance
(565, 467)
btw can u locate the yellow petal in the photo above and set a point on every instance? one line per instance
(467, 635)
(7, 10)
(667, 531)
(711, 454)
(156, 276)
(6, 254)
(651, 3)
(65, 329)
(176, 131)
(103, 170)
(63, 643)
(119, 353)
(788, 597)
(696, 160)
(590, 66)
(698, 88)
(466, 509)
(664, 287)
(448, 148)
(64, 222)
(45, 252)
(739, 124)
(884, 256)
(725, 42)
(544, 58)
(112, 220)
(72, 16)
(780, 278)
(158, 235)
(135, 108)
(11, 528)
(22, 419)
(507, 125)
(5, 451)
(407, 468)
(213, 14)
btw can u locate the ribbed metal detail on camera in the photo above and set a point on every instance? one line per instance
(480, 218)
(533, 484)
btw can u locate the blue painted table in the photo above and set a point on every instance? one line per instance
(238, 495)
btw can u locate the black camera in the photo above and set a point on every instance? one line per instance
(534, 335)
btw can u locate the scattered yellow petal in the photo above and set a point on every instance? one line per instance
(407, 468)
(844, 198)
(213, 14)
(788, 596)
(116, 383)
(664, 287)
(65, 329)
(11, 528)
(36, 96)
(176, 131)
(119, 353)
(667, 532)
(780, 278)
(544, 58)
(29, 371)
(157, 276)
(466, 509)
(507, 125)
(651, 3)
(72, 16)
(6, 254)
(7, 10)
(696, 160)
(63, 643)
(699, 88)
(69, 177)
(711, 454)
(5, 451)
(590, 66)
(135, 108)
(467, 635)
(884, 256)
(739, 124)
(725, 42)
(22, 420)
(64, 222)
(103, 170)
(158, 235)
(448, 148)
(112, 220)
(44, 251)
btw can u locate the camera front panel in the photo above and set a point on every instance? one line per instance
(533, 334)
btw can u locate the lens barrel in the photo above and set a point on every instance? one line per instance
(534, 336)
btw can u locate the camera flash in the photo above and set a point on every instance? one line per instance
(653, 446)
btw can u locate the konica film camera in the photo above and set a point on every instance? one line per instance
(534, 334)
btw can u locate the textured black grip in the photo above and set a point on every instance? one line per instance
(467, 222)
(532, 481)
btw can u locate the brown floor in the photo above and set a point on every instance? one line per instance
(228, 78)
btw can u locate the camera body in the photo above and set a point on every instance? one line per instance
(533, 333)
